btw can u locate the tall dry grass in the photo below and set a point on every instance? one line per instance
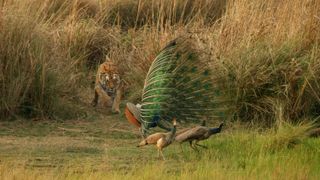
(270, 50)
(266, 51)
(162, 14)
(27, 82)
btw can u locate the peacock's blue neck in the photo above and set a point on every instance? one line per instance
(214, 130)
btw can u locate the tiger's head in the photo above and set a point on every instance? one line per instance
(110, 82)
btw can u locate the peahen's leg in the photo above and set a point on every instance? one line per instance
(181, 147)
(159, 153)
(162, 154)
(203, 146)
(190, 143)
(192, 146)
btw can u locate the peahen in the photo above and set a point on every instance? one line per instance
(179, 84)
(161, 140)
(196, 134)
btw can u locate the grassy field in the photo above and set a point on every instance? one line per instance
(103, 146)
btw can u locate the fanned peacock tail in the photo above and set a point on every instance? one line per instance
(179, 84)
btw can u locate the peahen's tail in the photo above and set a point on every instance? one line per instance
(180, 83)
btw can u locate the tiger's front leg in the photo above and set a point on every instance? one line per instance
(95, 99)
(117, 101)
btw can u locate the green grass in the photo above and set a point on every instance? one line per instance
(106, 148)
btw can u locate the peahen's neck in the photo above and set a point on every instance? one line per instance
(203, 123)
(172, 133)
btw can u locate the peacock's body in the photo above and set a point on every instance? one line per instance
(179, 84)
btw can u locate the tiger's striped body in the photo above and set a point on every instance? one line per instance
(108, 86)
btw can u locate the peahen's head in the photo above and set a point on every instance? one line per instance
(143, 143)
(173, 130)
(174, 122)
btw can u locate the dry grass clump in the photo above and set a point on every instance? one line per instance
(161, 14)
(36, 57)
(264, 52)
(27, 82)
(87, 42)
(59, 10)
(270, 52)
(287, 134)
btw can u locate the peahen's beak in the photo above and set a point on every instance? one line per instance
(132, 113)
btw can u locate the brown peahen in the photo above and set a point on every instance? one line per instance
(196, 134)
(180, 84)
(161, 140)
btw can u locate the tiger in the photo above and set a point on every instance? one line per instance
(108, 84)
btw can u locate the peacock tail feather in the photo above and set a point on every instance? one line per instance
(179, 84)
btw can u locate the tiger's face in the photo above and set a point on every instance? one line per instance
(110, 81)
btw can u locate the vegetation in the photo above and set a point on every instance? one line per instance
(105, 148)
(266, 53)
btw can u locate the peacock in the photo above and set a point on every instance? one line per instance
(180, 84)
